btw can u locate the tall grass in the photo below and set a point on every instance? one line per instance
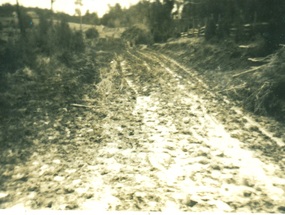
(45, 39)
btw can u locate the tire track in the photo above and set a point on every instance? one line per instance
(238, 111)
(230, 169)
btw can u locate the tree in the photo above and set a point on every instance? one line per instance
(138, 14)
(92, 33)
(78, 11)
(51, 4)
(116, 17)
(51, 8)
(160, 20)
(90, 18)
(6, 9)
(136, 35)
(20, 20)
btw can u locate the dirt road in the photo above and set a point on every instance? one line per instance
(158, 140)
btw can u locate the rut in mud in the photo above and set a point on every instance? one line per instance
(167, 143)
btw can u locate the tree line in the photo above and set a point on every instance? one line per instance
(245, 19)
(47, 38)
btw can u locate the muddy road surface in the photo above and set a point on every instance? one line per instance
(156, 139)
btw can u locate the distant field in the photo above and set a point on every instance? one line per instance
(104, 32)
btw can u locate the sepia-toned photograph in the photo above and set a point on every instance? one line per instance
(142, 107)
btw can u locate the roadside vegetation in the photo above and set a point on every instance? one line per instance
(42, 70)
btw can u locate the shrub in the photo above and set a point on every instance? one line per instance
(92, 33)
(78, 42)
(137, 35)
(64, 35)
(43, 36)
(210, 30)
(19, 52)
(58, 38)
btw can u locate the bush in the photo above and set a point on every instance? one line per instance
(17, 53)
(137, 35)
(46, 39)
(64, 36)
(210, 30)
(92, 33)
(58, 38)
(78, 42)
(43, 36)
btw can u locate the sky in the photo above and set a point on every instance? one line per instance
(68, 6)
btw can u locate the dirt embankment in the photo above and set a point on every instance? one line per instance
(243, 72)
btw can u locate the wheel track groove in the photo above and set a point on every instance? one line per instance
(211, 140)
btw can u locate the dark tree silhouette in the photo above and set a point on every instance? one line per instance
(20, 20)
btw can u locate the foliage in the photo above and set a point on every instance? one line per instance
(64, 35)
(160, 20)
(242, 20)
(91, 18)
(155, 15)
(6, 10)
(210, 30)
(16, 54)
(43, 36)
(235, 14)
(137, 35)
(92, 33)
(116, 17)
(47, 38)
(77, 42)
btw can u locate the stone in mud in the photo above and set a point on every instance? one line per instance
(186, 132)
(68, 190)
(186, 120)
(247, 193)
(49, 203)
(248, 182)
(88, 195)
(222, 206)
(56, 161)
(58, 178)
(33, 187)
(190, 201)
(204, 161)
(3, 197)
(216, 167)
(281, 209)
(71, 206)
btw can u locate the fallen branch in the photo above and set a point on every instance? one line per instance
(90, 100)
(260, 59)
(246, 46)
(253, 69)
(233, 88)
(83, 106)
